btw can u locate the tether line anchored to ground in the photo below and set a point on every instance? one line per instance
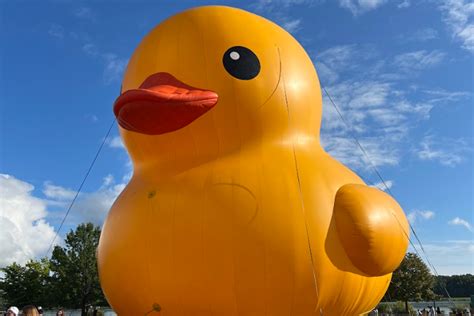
(80, 186)
(387, 189)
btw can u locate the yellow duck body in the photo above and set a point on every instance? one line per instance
(241, 212)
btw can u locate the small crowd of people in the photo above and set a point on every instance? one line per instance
(29, 310)
(429, 311)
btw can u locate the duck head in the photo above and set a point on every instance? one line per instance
(213, 80)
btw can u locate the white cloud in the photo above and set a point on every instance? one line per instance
(379, 111)
(383, 185)
(58, 193)
(420, 214)
(56, 30)
(448, 152)
(346, 150)
(451, 257)
(93, 207)
(90, 49)
(404, 4)
(424, 34)
(467, 37)
(458, 16)
(115, 142)
(108, 180)
(280, 11)
(418, 60)
(358, 7)
(343, 58)
(443, 96)
(292, 26)
(411, 217)
(89, 206)
(461, 222)
(426, 214)
(113, 65)
(84, 13)
(24, 231)
(326, 74)
(272, 5)
(91, 117)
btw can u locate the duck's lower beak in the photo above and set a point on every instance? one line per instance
(162, 104)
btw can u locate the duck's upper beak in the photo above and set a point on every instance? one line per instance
(162, 104)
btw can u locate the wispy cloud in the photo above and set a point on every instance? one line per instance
(94, 206)
(421, 35)
(58, 193)
(280, 11)
(115, 142)
(292, 25)
(461, 222)
(459, 252)
(345, 149)
(375, 103)
(272, 5)
(418, 60)
(91, 117)
(113, 65)
(448, 152)
(56, 30)
(343, 58)
(89, 206)
(458, 17)
(404, 4)
(84, 13)
(358, 7)
(387, 184)
(443, 96)
(420, 214)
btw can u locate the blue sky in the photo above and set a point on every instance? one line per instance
(400, 71)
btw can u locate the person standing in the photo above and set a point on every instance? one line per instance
(30, 310)
(13, 311)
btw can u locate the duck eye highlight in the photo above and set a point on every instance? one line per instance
(241, 63)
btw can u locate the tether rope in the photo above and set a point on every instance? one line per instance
(387, 189)
(80, 186)
(310, 250)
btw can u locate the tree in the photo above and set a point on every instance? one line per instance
(411, 281)
(28, 284)
(456, 285)
(74, 279)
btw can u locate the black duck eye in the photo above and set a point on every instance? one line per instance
(241, 63)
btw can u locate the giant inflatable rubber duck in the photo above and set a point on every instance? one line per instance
(234, 208)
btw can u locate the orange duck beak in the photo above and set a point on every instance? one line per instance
(162, 104)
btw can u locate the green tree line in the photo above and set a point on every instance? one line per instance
(413, 281)
(68, 279)
(457, 285)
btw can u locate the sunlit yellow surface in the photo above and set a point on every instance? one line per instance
(242, 212)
